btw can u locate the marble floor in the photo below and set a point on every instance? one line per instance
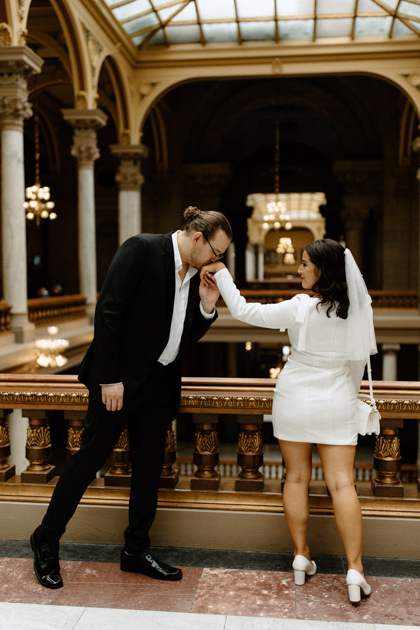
(220, 590)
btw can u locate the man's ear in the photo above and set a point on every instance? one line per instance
(196, 237)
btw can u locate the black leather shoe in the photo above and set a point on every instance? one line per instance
(149, 565)
(46, 564)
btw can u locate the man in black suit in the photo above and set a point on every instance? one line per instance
(152, 303)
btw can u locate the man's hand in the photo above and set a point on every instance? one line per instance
(209, 293)
(112, 396)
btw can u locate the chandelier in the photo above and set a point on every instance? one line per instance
(276, 210)
(49, 350)
(285, 247)
(38, 205)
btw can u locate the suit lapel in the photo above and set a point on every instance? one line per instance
(169, 270)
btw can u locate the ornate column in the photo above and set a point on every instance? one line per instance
(86, 122)
(387, 461)
(260, 262)
(206, 452)
(389, 361)
(130, 180)
(250, 454)
(250, 262)
(230, 259)
(16, 64)
(38, 448)
(169, 477)
(120, 472)
(6, 470)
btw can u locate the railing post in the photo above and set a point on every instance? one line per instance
(6, 471)
(169, 477)
(387, 461)
(120, 472)
(250, 454)
(38, 448)
(206, 452)
(76, 427)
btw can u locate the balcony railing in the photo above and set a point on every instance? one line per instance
(5, 318)
(55, 310)
(209, 400)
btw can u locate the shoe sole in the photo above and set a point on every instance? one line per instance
(154, 577)
(36, 572)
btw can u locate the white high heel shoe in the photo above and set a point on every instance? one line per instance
(356, 582)
(301, 568)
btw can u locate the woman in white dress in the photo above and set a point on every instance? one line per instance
(331, 334)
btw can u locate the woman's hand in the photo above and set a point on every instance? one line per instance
(206, 270)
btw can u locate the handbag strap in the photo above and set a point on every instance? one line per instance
(369, 371)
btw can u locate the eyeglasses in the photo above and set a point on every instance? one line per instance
(216, 256)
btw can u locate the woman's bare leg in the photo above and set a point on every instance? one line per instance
(298, 461)
(338, 463)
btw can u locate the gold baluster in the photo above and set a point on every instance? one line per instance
(120, 472)
(387, 461)
(250, 454)
(6, 471)
(76, 427)
(206, 452)
(38, 448)
(169, 477)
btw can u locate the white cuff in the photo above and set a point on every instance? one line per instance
(207, 315)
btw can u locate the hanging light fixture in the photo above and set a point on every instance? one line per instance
(38, 205)
(276, 210)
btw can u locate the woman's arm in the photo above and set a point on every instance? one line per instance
(278, 316)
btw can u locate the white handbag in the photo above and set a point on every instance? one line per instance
(368, 417)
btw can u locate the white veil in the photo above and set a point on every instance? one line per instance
(360, 330)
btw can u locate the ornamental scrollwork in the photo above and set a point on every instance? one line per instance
(250, 443)
(16, 107)
(74, 438)
(206, 442)
(44, 399)
(40, 437)
(386, 448)
(170, 442)
(4, 435)
(6, 34)
(123, 443)
(94, 50)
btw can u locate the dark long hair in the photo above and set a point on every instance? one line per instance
(328, 256)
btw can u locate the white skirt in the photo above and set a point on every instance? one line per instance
(315, 401)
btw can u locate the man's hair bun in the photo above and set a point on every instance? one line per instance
(191, 213)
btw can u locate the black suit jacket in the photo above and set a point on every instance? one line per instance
(133, 316)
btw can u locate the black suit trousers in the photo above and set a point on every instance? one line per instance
(146, 415)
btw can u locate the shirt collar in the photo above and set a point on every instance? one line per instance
(177, 258)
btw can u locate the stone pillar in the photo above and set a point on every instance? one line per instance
(130, 180)
(260, 262)
(389, 361)
(86, 122)
(230, 259)
(16, 64)
(250, 262)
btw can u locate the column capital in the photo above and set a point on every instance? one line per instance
(85, 122)
(129, 176)
(17, 63)
(391, 347)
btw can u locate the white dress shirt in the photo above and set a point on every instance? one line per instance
(182, 289)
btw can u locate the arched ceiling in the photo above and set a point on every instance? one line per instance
(172, 22)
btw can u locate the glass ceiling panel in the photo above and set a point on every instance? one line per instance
(340, 27)
(368, 6)
(140, 23)
(401, 29)
(218, 19)
(295, 7)
(372, 26)
(132, 9)
(183, 34)
(216, 9)
(258, 31)
(189, 14)
(296, 29)
(408, 8)
(227, 32)
(251, 8)
(332, 6)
